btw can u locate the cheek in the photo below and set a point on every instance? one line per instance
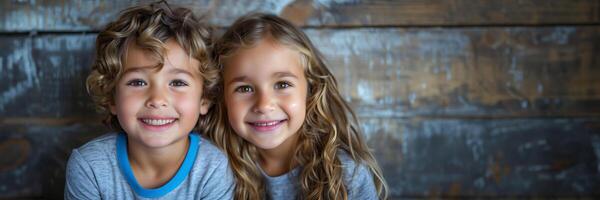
(189, 103)
(297, 105)
(234, 109)
(235, 116)
(126, 103)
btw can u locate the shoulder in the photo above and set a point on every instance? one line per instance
(210, 158)
(89, 168)
(351, 166)
(357, 178)
(98, 149)
(210, 152)
(97, 155)
(211, 172)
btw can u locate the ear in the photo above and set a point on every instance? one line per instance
(205, 104)
(113, 109)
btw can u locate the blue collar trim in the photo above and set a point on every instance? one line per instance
(184, 170)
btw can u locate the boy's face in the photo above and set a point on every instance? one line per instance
(265, 93)
(159, 108)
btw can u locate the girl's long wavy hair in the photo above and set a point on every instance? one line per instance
(149, 26)
(330, 124)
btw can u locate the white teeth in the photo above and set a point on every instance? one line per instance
(266, 123)
(158, 122)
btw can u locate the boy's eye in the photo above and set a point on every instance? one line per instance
(178, 83)
(244, 89)
(137, 83)
(282, 85)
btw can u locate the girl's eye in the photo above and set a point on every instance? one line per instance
(282, 85)
(137, 83)
(244, 89)
(178, 83)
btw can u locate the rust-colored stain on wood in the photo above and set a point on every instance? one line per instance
(298, 12)
(14, 153)
(498, 169)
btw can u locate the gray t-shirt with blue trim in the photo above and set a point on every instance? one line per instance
(357, 179)
(94, 172)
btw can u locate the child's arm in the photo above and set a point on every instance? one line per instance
(80, 182)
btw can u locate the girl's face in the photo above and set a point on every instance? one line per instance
(158, 108)
(265, 94)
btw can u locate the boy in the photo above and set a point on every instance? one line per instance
(152, 66)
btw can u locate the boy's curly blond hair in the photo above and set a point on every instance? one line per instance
(149, 26)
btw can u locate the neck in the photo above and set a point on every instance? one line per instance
(279, 160)
(153, 167)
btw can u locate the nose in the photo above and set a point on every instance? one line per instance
(157, 98)
(264, 103)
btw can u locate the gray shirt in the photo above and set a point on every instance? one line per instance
(97, 171)
(357, 179)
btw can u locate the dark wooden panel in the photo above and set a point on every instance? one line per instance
(441, 12)
(420, 158)
(467, 72)
(488, 158)
(393, 72)
(45, 76)
(74, 15)
(34, 158)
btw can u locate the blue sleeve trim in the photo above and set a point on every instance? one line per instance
(184, 170)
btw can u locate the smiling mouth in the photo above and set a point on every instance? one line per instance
(266, 125)
(158, 122)
(263, 124)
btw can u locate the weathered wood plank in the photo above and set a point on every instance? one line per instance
(75, 15)
(534, 158)
(441, 12)
(420, 158)
(34, 158)
(466, 72)
(45, 76)
(393, 72)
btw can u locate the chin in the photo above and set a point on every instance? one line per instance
(266, 146)
(156, 144)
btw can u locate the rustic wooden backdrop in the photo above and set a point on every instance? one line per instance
(458, 98)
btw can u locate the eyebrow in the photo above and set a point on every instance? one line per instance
(180, 71)
(137, 69)
(285, 74)
(237, 79)
(276, 74)
(146, 68)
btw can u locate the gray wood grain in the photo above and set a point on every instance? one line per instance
(383, 72)
(526, 158)
(75, 15)
(44, 76)
(425, 158)
(37, 157)
(457, 98)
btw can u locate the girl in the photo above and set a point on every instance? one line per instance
(282, 121)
